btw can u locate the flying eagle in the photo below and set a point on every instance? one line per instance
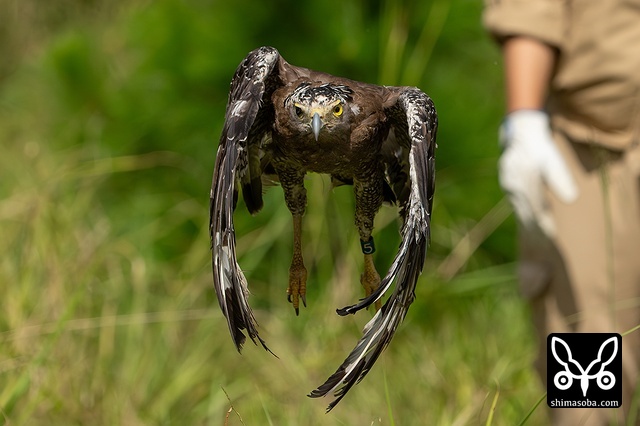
(283, 121)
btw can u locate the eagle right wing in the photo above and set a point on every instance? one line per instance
(248, 118)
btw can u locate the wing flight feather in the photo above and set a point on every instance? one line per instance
(246, 114)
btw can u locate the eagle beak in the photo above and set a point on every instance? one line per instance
(316, 125)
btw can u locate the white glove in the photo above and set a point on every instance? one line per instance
(531, 159)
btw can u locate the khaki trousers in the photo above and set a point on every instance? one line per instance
(587, 278)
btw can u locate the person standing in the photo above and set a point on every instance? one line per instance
(570, 167)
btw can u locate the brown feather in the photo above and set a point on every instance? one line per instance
(379, 139)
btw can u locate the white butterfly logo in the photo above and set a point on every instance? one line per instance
(564, 379)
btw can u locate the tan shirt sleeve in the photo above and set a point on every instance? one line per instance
(594, 93)
(540, 19)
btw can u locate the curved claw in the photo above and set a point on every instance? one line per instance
(297, 289)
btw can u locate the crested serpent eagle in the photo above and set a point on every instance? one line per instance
(283, 121)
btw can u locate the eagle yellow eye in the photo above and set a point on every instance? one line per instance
(337, 110)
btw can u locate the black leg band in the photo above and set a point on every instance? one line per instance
(368, 247)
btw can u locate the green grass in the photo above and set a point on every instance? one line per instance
(108, 131)
(99, 331)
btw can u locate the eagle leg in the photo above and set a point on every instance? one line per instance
(369, 196)
(295, 195)
(370, 279)
(297, 289)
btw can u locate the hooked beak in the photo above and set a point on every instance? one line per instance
(316, 125)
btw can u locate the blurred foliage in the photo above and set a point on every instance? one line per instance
(109, 118)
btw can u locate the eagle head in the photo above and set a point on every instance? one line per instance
(313, 107)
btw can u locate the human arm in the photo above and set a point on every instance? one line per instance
(528, 64)
(530, 157)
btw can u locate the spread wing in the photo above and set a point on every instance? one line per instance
(411, 171)
(248, 119)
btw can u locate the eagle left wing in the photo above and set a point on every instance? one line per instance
(246, 121)
(414, 124)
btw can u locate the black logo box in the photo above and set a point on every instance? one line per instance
(584, 370)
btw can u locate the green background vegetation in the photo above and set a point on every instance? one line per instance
(110, 113)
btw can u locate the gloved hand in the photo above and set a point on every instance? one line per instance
(529, 160)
